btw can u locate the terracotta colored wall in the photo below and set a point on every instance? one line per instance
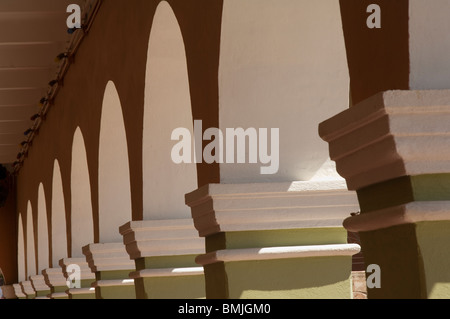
(378, 59)
(116, 49)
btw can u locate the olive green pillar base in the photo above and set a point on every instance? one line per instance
(267, 264)
(296, 278)
(114, 285)
(59, 292)
(43, 293)
(164, 253)
(169, 277)
(85, 292)
(413, 260)
(171, 287)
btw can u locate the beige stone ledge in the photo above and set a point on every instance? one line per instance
(27, 288)
(167, 272)
(39, 283)
(270, 206)
(150, 238)
(399, 215)
(234, 255)
(86, 272)
(113, 283)
(54, 277)
(108, 257)
(392, 134)
(81, 291)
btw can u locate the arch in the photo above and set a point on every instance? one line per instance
(42, 231)
(82, 224)
(167, 107)
(59, 226)
(31, 251)
(114, 172)
(21, 251)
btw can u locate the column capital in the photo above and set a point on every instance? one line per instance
(392, 134)
(86, 273)
(153, 238)
(107, 257)
(54, 277)
(40, 286)
(273, 206)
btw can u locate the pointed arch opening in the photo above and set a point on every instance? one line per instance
(21, 251)
(82, 224)
(114, 172)
(167, 107)
(31, 251)
(42, 231)
(59, 226)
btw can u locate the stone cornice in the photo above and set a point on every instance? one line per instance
(269, 206)
(391, 134)
(233, 255)
(54, 277)
(161, 238)
(167, 272)
(39, 283)
(108, 257)
(399, 215)
(86, 272)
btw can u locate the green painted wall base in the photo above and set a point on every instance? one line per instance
(433, 239)
(87, 283)
(413, 259)
(43, 293)
(31, 296)
(82, 296)
(293, 278)
(115, 292)
(171, 287)
(177, 287)
(297, 278)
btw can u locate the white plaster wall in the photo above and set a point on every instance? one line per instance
(282, 65)
(43, 253)
(58, 225)
(81, 218)
(31, 251)
(429, 26)
(167, 107)
(114, 172)
(21, 251)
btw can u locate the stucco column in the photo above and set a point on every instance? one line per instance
(40, 286)
(112, 266)
(87, 277)
(164, 252)
(394, 150)
(275, 240)
(55, 279)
